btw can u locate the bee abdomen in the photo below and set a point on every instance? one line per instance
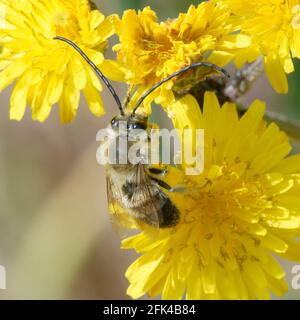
(158, 206)
(148, 203)
(169, 214)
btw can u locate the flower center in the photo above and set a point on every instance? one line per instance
(226, 208)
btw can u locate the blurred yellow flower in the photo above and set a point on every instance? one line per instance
(47, 71)
(235, 216)
(150, 50)
(274, 26)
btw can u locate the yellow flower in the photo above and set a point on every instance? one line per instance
(47, 71)
(150, 50)
(274, 26)
(243, 209)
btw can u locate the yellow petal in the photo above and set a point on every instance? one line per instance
(113, 70)
(278, 286)
(289, 165)
(78, 69)
(18, 101)
(13, 71)
(18, 98)
(274, 243)
(94, 100)
(255, 274)
(194, 285)
(186, 113)
(288, 224)
(96, 17)
(220, 58)
(276, 74)
(106, 28)
(56, 84)
(273, 268)
(252, 119)
(211, 110)
(40, 106)
(293, 251)
(227, 285)
(240, 285)
(209, 278)
(68, 103)
(174, 288)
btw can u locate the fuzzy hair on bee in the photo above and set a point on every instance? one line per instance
(137, 190)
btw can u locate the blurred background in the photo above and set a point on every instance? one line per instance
(56, 241)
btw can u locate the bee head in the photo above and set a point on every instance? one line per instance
(133, 122)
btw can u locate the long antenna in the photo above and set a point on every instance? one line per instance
(98, 72)
(175, 74)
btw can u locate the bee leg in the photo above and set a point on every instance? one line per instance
(164, 185)
(158, 171)
(178, 189)
(161, 183)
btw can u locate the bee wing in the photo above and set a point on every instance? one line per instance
(147, 193)
(146, 216)
(122, 222)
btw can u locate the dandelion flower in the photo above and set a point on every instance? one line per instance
(47, 71)
(243, 210)
(150, 50)
(274, 26)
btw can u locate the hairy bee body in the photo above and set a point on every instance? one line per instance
(133, 187)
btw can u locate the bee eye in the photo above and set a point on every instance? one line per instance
(136, 126)
(114, 122)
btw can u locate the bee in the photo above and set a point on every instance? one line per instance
(137, 193)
